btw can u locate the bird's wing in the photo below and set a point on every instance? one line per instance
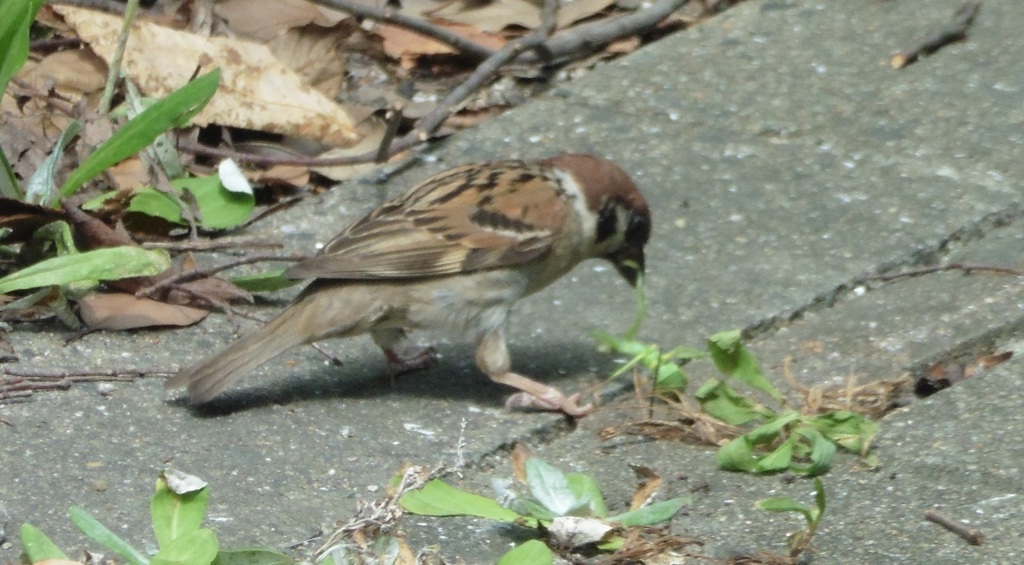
(471, 218)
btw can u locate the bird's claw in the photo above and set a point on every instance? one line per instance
(401, 364)
(552, 402)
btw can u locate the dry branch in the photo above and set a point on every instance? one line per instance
(965, 267)
(972, 536)
(951, 33)
(535, 48)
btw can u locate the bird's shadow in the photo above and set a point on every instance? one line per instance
(451, 378)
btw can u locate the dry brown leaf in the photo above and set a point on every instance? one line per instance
(623, 46)
(405, 45)
(23, 137)
(266, 19)
(120, 311)
(128, 174)
(646, 488)
(291, 175)
(256, 90)
(373, 133)
(72, 74)
(213, 288)
(989, 361)
(318, 54)
(520, 453)
(497, 15)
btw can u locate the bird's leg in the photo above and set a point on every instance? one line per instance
(402, 354)
(493, 359)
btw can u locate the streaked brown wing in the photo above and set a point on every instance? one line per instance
(469, 218)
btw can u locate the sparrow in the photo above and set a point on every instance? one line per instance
(455, 253)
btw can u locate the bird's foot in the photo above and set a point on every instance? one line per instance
(408, 363)
(551, 401)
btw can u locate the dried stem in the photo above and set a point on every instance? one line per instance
(965, 267)
(973, 536)
(951, 33)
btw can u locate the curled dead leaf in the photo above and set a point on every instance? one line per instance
(120, 311)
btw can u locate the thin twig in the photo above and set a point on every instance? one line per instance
(973, 536)
(196, 274)
(213, 245)
(86, 375)
(951, 33)
(420, 26)
(393, 120)
(429, 123)
(26, 383)
(965, 267)
(272, 209)
(586, 38)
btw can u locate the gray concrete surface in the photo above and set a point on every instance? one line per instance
(785, 160)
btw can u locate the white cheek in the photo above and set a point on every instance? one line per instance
(588, 222)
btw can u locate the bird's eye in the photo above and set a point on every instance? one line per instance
(638, 231)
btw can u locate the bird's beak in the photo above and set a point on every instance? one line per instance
(629, 262)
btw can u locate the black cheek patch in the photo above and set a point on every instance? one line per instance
(606, 222)
(639, 230)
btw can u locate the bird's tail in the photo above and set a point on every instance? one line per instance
(212, 375)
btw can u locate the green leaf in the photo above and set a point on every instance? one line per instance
(42, 185)
(734, 361)
(851, 431)
(684, 353)
(812, 514)
(654, 514)
(783, 504)
(437, 498)
(738, 454)
(37, 546)
(269, 281)
(768, 431)
(174, 110)
(819, 496)
(175, 515)
(14, 36)
(821, 451)
(628, 347)
(721, 401)
(100, 534)
(219, 207)
(526, 506)
(670, 377)
(533, 552)
(551, 488)
(585, 489)
(198, 547)
(253, 556)
(59, 233)
(777, 460)
(641, 308)
(111, 263)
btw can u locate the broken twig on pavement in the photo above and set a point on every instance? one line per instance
(951, 33)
